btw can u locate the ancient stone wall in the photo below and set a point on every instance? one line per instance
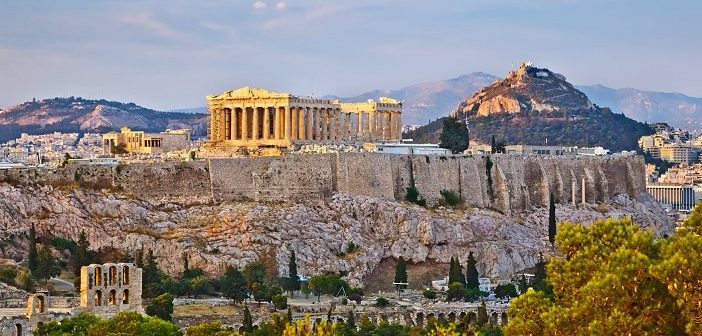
(516, 183)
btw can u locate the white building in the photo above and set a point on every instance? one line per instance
(406, 148)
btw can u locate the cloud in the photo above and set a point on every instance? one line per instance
(259, 5)
(281, 5)
(147, 22)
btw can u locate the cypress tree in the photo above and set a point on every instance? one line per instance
(290, 318)
(540, 273)
(292, 283)
(452, 272)
(186, 262)
(401, 271)
(459, 273)
(248, 320)
(482, 313)
(493, 145)
(351, 321)
(472, 272)
(551, 220)
(32, 260)
(82, 256)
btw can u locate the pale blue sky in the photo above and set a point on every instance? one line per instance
(171, 54)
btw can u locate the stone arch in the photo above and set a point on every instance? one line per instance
(462, 315)
(112, 275)
(419, 319)
(472, 317)
(442, 317)
(98, 298)
(452, 317)
(112, 298)
(42, 303)
(125, 296)
(493, 318)
(125, 275)
(98, 276)
(504, 318)
(18, 329)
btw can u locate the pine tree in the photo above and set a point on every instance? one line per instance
(472, 272)
(233, 285)
(401, 271)
(46, 264)
(454, 135)
(523, 286)
(551, 220)
(248, 320)
(540, 273)
(32, 260)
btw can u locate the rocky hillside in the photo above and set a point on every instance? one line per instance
(525, 91)
(83, 115)
(216, 235)
(536, 106)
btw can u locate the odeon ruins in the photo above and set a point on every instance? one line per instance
(251, 117)
(105, 290)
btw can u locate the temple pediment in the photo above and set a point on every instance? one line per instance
(251, 93)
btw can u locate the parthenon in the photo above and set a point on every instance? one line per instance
(252, 117)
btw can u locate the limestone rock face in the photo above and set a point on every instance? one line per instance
(525, 90)
(236, 233)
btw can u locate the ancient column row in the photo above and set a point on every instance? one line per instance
(303, 123)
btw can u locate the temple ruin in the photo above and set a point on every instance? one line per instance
(251, 117)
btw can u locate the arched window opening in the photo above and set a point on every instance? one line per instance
(125, 296)
(112, 298)
(125, 275)
(98, 298)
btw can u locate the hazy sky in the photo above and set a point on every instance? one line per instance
(171, 54)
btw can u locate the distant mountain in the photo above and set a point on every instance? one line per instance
(200, 109)
(429, 101)
(84, 115)
(535, 106)
(676, 109)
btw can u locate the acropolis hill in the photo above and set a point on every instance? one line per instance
(233, 210)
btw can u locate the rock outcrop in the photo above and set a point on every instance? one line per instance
(215, 235)
(525, 90)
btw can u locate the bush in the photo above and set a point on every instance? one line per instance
(355, 297)
(161, 307)
(429, 294)
(503, 291)
(382, 302)
(450, 198)
(413, 196)
(280, 301)
(351, 247)
(344, 301)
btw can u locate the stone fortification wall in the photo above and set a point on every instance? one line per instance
(516, 183)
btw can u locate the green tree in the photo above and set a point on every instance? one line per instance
(472, 274)
(493, 145)
(525, 314)
(213, 328)
(82, 256)
(506, 290)
(255, 272)
(482, 313)
(161, 307)
(32, 260)
(551, 219)
(319, 285)
(292, 283)
(280, 301)
(233, 285)
(540, 273)
(456, 291)
(351, 320)
(523, 286)
(75, 325)
(47, 266)
(401, 271)
(454, 135)
(200, 285)
(305, 289)
(151, 275)
(133, 323)
(455, 272)
(248, 320)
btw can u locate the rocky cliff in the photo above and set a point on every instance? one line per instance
(237, 232)
(527, 89)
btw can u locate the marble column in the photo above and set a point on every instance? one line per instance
(245, 123)
(301, 123)
(398, 126)
(334, 118)
(287, 123)
(293, 123)
(235, 121)
(324, 123)
(276, 124)
(221, 125)
(310, 122)
(359, 124)
(254, 124)
(266, 122)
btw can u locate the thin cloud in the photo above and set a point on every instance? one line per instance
(147, 22)
(281, 5)
(259, 5)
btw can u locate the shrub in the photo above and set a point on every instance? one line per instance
(450, 198)
(429, 294)
(382, 302)
(344, 301)
(355, 297)
(413, 196)
(351, 247)
(280, 301)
